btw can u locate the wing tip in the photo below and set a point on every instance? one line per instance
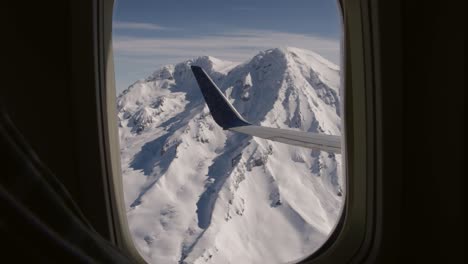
(195, 67)
(222, 111)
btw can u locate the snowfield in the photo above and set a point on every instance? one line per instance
(197, 194)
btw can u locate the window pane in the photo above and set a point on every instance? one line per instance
(196, 193)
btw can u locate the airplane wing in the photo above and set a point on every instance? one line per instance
(227, 117)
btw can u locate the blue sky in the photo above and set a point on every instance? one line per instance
(149, 34)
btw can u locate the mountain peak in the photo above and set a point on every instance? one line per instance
(211, 64)
(286, 56)
(205, 61)
(269, 69)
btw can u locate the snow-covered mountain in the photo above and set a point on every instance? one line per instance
(197, 194)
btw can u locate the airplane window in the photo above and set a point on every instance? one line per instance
(230, 128)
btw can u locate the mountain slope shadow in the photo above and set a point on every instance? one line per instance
(217, 171)
(160, 152)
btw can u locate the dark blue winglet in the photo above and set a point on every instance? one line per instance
(221, 110)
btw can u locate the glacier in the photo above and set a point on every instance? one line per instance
(195, 193)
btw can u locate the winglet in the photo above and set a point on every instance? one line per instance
(224, 114)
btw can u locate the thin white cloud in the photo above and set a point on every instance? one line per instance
(139, 26)
(235, 46)
(137, 57)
